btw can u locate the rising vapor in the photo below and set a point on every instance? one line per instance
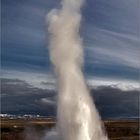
(77, 116)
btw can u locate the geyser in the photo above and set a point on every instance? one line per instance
(77, 117)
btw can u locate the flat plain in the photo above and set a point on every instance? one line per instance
(35, 129)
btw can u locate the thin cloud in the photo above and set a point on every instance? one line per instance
(109, 32)
(47, 101)
(113, 47)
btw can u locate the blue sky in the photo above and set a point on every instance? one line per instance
(110, 35)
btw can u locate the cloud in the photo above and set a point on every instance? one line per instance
(19, 97)
(109, 31)
(124, 85)
(47, 80)
(42, 79)
(110, 34)
(112, 47)
(47, 101)
(115, 103)
(111, 38)
(117, 16)
(16, 87)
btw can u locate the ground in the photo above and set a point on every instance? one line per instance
(27, 128)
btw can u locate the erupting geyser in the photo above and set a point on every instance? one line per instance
(77, 116)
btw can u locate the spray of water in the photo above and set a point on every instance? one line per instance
(77, 116)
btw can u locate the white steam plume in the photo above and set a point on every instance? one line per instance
(76, 114)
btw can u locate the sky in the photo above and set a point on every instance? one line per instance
(110, 34)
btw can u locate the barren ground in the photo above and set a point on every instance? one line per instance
(26, 129)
